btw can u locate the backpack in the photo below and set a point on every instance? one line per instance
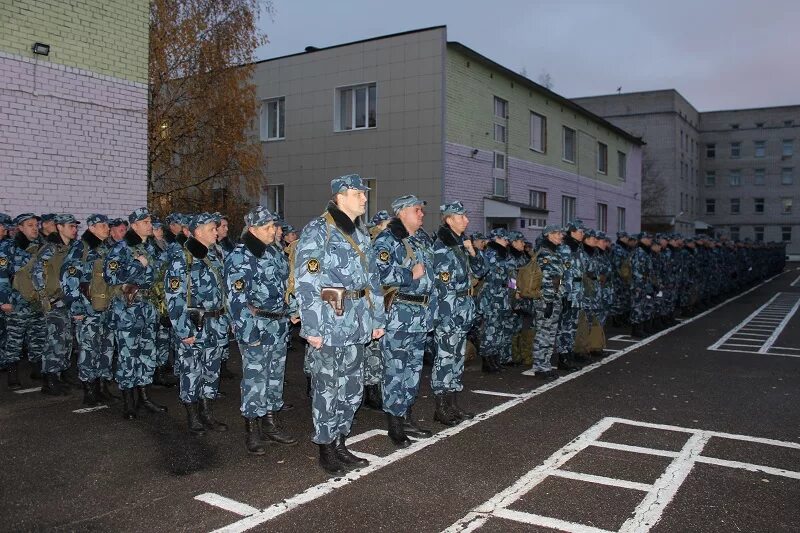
(100, 292)
(625, 271)
(23, 282)
(291, 253)
(529, 279)
(52, 274)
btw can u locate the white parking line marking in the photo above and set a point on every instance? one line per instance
(780, 328)
(623, 338)
(496, 393)
(90, 409)
(778, 310)
(27, 391)
(222, 502)
(786, 348)
(545, 521)
(634, 449)
(602, 480)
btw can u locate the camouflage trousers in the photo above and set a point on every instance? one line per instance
(24, 326)
(337, 387)
(2, 336)
(448, 363)
(545, 339)
(56, 357)
(403, 353)
(164, 344)
(135, 328)
(197, 369)
(96, 344)
(567, 327)
(621, 304)
(641, 307)
(498, 330)
(263, 368)
(373, 364)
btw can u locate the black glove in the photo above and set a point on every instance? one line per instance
(548, 311)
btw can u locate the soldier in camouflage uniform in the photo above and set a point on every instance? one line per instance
(455, 263)
(92, 327)
(641, 285)
(494, 303)
(548, 307)
(256, 275)
(131, 265)
(522, 307)
(340, 312)
(6, 273)
(403, 258)
(195, 296)
(620, 255)
(165, 343)
(574, 259)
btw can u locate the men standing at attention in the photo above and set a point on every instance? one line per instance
(336, 294)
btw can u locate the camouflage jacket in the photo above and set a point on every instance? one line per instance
(553, 272)
(77, 271)
(574, 259)
(454, 269)
(500, 269)
(121, 266)
(14, 254)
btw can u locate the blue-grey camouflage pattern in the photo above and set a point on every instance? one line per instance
(548, 307)
(575, 263)
(337, 390)
(494, 303)
(621, 261)
(194, 279)
(641, 285)
(407, 323)
(56, 357)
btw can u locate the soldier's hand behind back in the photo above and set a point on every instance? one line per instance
(418, 271)
(143, 260)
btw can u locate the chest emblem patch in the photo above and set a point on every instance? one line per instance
(238, 285)
(444, 276)
(384, 256)
(174, 283)
(313, 266)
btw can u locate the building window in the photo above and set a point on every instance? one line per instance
(758, 233)
(787, 177)
(711, 151)
(711, 178)
(735, 206)
(500, 160)
(536, 223)
(736, 150)
(602, 217)
(356, 107)
(788, 148)
(567, 209)
(734, 231)
(786, 233)
(711, 206)
(622, 165)
(620, 219)
(273, 199)
(372, 198)
(788, 123)
(500, 107)
(735, 178)
(759, 148)
(602, 158)
(758, 205)
(538, 199)
(538, 132)
(272, 119)
(734, 126)
(786, 206)
(759, 176)
(570, 140)
(499, 133)
(500, 187)
(759, 124)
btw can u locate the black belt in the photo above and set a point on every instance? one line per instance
(466, 292)
(275, 315)
(577, 279)
(413, 298)
(216, 313)
(355, 295)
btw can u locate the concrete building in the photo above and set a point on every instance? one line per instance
(73, 112)
(414, 113)
(731, 173)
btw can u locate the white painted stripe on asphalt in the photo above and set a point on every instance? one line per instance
(602, 480)
(546, 521)
(27, 391)
(222, 502)
(366, 435)
(741, 324)
(749, 467)
(780, 328)
(326, 487)
(610, 350)
(496, 393)
(90, 409)
(786, 348)
(752, 334)
(623, 338)
(741, 345)
(756, 353)
(796, 282)
(634, 449)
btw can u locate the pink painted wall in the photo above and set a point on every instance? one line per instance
(469, 179)
(71, 141)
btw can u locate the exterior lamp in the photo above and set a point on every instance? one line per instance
(41, 49)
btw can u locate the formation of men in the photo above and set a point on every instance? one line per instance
(157, 303)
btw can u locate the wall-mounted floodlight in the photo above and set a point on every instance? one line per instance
(41, 49)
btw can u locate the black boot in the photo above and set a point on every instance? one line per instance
(89, 394)
(128, 404)
(486, 366)
(196, 426)
(105, 394)
(396, 432)
(412, 429)
(271, 428)
(224, 373)
(329, 461)
(163, 378)
(207, 416)
(637, 331)
(581, 359)
(459, 412)
(308, 387)
(147, 403)
(50, 384)
(373, 398)
(443, 413)
(13, 378)
(256, 445)
(347, 459)
(69, 381)
(565, 362)
(36, 372)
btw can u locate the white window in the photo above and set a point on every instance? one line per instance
(538, 199)
(538, 132)
(786, 233)
(272, 119)
(499, 133)
(735, 178)
(786, 206)
(622, 165)
(500, 107)
(602, 158)
(711, 178)
(759, 176)
(787, 176)
(356, 107)
(736, 150)
(567, 209)
(500, 187)
(602, 217)
(759, 148)
(758, 205)
(788, 148)
(536, 223)
(570, 140)
(499, 160)
(273, 199)
(621, 219)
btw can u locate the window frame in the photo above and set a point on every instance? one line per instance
(622, 165)
(762, 174)
(787, 143)
(787, 172)
(735, 177)
(572, 201)
(756, 231)
(621, 218)
(711, 150)
(279, 197)
(504, 104)
(564, 144)
(504, 158)
(712, 204)
(759, 202)
(263, 119)
(602, 158)
(505, 133)
(736, 150)
(543, 132)
(602, 216)
(738, 203)
(337, 111)
(759, 146)
(540, 194)
(787, 201)
(713, 175)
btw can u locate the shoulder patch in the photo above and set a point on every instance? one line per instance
(238, 285)
(113, 266)
(72, 270)
(545, 260)
(3, 262)
(444, 276)
(174, 283)
(568, 264)
(384, 256)
(313, 266)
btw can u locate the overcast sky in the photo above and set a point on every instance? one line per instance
(720, 54)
